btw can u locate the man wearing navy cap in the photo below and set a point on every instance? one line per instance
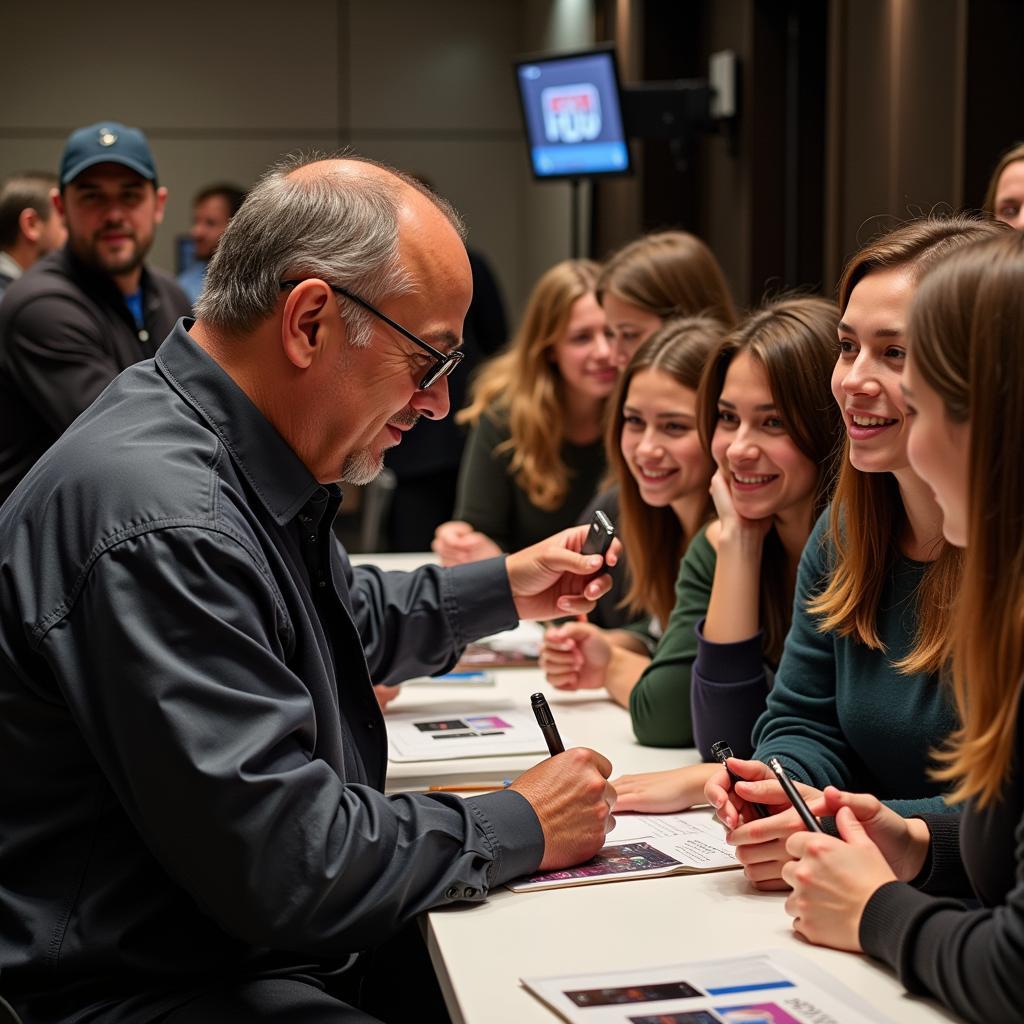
(88, 311)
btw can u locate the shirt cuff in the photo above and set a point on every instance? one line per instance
(478, 600)
(740, 661)
(511, 829)
(943, 868)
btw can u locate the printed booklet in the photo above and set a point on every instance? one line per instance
(415, 736)
(773, 987)
(645, 846)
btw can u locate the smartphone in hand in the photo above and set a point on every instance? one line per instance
(600, 535)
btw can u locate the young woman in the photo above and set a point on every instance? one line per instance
(857, 701)
(773, 443)
(1004, 199)
(535, 455)
(658, 276)
(964, 389)
(660, 501)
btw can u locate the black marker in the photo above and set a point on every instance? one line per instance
(809, 820)
(546, 721)
(720, 751)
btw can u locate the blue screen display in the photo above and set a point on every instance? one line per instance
(572, 115)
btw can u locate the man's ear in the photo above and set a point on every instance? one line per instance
(306, 308)
(161, 202)
(58, 200)
(29, 224)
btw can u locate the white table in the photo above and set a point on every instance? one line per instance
(481, 951)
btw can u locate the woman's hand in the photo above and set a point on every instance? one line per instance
(734, 527)
(456, 542)
(832, 881)
(575, 656)
(663, 792)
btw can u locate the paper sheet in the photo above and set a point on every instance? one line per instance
(773, 987)
(415, 736)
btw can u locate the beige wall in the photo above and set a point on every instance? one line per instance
(224, 88)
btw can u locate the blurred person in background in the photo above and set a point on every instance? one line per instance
(30, 227)
(1004, 198)
(212, 210)
(84, 313)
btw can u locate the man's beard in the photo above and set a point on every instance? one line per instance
(364, 465)
(113, 265)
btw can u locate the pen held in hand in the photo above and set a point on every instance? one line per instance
(546, 721)
(809, 820)
(721, 751)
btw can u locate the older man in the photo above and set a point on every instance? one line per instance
(193, 758)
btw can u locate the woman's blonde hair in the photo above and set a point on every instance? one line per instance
(966, 325)
(867, 511)
(654, 537)
(1011, 156)
(669, 274)
(794, 340)
(523, 385)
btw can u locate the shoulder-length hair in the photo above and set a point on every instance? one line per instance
(965, 328)
(669, 274)
(523, 385)
(654, 537)
(867, 513)
(794, 340)
(1011, 156)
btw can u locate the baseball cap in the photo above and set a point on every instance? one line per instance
(107, 142)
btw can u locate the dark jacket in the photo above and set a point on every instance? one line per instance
(65, 334)
(191, 750)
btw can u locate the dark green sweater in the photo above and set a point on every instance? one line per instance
(839, 713)
(490, 499)
(659, 704)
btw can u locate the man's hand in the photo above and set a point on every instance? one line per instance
(552, 578)
(456, 542)
(386, 694)
(575, 656)
(832, 881)
(573, 801)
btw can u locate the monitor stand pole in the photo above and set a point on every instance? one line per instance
(574, 218)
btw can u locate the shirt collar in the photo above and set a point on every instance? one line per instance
(276, 473)
(9, 266)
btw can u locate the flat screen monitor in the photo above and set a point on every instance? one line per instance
(573, 114)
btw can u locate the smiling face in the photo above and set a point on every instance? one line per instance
(629, 327)
(210, 218)
(767, 474)
(111, 214)
(867, 375)
(582, 354)
(659, 439)
(938, 450)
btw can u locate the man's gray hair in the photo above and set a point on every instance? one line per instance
(296, 224)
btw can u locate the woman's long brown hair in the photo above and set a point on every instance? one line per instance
(524, 384)
(793, 339)
(867, 516)
(966, 329)
(654, 537)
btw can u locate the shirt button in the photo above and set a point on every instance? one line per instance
(143, 335)
(469, 892)
(369, 725)
(451, 893)
(312, 538)
(322, 584)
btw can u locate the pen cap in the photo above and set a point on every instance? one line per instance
(541, 709)
(721, 750)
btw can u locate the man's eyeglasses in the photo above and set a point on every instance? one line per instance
(443, 364)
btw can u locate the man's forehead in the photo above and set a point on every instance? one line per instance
(101, 175)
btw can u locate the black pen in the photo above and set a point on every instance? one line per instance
(721, 751)
(809, 820)
(546, 721)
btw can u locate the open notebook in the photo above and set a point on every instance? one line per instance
(645, 846)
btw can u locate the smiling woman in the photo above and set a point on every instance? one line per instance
(534, 455)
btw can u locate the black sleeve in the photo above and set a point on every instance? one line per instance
(174, 661)
(971, 960)
(417, 623)
(486, 311)
(56, 358)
